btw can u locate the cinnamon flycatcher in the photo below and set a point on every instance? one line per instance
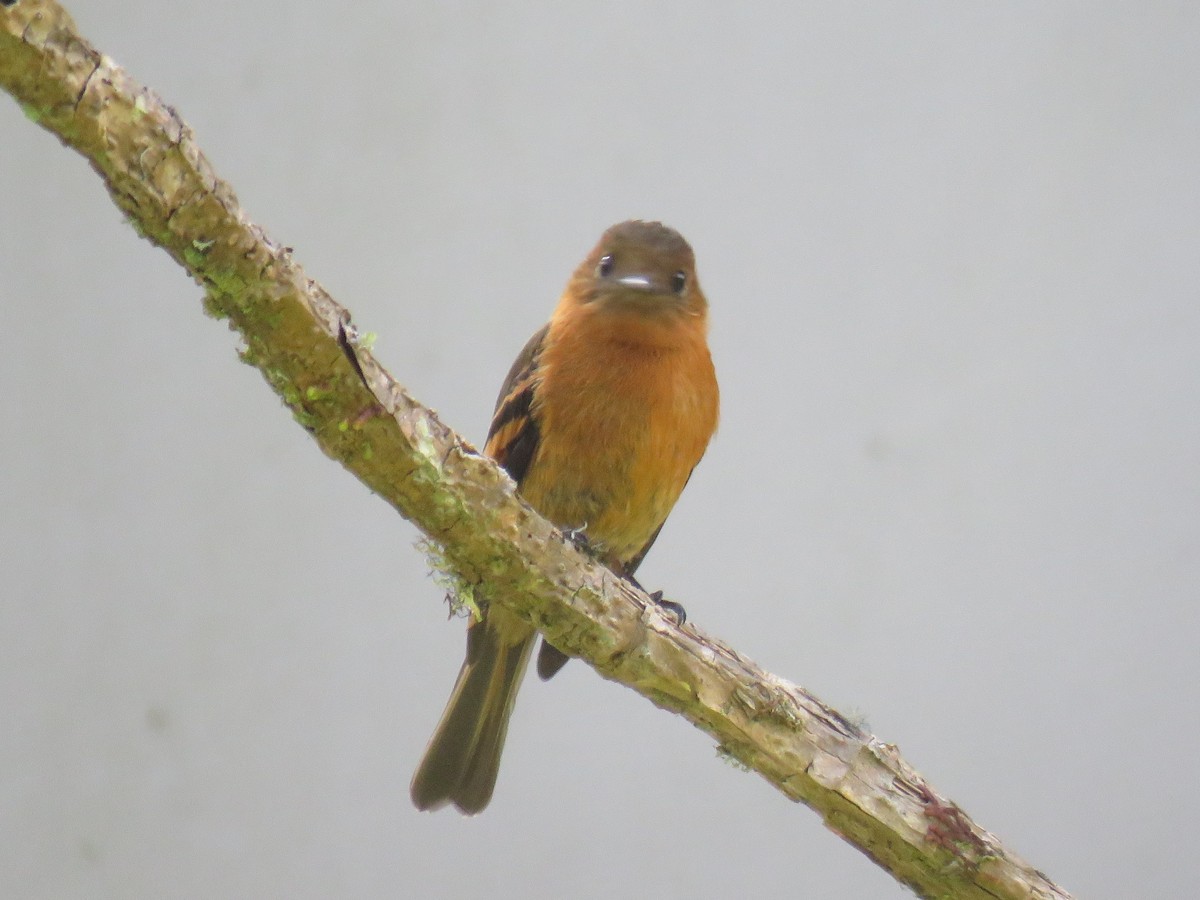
(600, 422)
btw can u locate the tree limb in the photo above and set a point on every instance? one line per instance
(493, 543)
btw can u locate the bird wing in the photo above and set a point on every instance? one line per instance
(513, 435)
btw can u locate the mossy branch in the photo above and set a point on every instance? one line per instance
(494, 544)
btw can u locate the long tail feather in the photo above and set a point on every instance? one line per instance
(463, 757)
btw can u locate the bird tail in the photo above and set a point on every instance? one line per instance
(463, 757)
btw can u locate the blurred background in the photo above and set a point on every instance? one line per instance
(951, 251)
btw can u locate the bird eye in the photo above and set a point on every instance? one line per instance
(606, 266)
(679, 282)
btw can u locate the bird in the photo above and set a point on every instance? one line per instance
(600, 422)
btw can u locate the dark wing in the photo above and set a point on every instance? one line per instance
(513, 436)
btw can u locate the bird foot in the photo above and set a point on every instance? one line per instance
(670, 606)
(578, 537)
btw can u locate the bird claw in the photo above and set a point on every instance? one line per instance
(578, 537)
(670, 606)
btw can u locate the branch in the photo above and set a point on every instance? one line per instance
(491, 540)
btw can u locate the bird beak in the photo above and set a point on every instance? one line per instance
(639, 282)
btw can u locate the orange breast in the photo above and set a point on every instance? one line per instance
(625, 409)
